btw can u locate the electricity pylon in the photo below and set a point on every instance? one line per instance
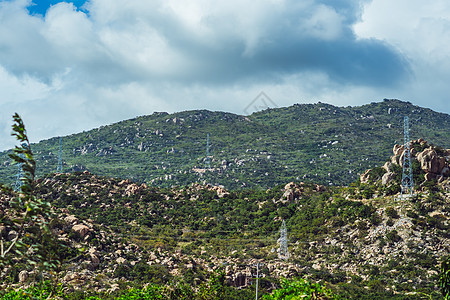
(257, 278)
(207, 161)
(18, 183)
(59, 168)
(407, 176)
(284, 252)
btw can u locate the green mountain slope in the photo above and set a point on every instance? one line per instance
(317, 142)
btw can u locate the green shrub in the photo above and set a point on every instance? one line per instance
(300, 289)
(36, 292)
(390, 222)
(393, 236)
(392, 213)
(143, 272)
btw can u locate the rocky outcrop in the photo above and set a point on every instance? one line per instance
(291, 192)
(431, 162)
(195, 187)
(434, 161)
(294, 191)
(387, 178)
(133, 189)
(365, 177)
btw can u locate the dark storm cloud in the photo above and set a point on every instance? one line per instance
(223, 46)
(363, 62)
(287, 42)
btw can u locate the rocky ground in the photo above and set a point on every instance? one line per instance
(403, 242)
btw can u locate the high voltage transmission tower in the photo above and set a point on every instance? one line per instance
(284, 252)
(18, 183)
(59, 168)
(207, 161)
(407, 176)
(257, 278)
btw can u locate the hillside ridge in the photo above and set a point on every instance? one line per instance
(320, 142)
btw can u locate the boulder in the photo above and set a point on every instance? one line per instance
(387, 166)
(288, 195)
(114, 287)
(64, 210)
(320, 188)
(68, 277)
(387, 177)
(291, 185)
(221, 192)
(71, 219)
(430, 176)
(293, 191)
(421, 141)
(124, 182)
(121, 260)
(398, 149)
(132, 189)
(395, 160)
(23, 276)
(81, 229)
(364, 178)
(430, 162)
(95, 261)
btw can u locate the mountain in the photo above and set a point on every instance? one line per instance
(315, 142)
(362, 241)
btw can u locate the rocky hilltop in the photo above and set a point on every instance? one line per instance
(430, 163)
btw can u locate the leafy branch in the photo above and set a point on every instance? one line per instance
(26, 217)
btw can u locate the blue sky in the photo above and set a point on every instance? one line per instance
(72, 66)
(41, 6)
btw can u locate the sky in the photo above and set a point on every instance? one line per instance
(66, 67)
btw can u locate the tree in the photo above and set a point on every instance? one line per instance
(26, 236)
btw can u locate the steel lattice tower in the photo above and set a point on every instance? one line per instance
(257, 278)
(18, 183)
(407, 177)
(59, 168)
(284, 252)
(207, 161)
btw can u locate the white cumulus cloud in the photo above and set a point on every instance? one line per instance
(74, 68)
